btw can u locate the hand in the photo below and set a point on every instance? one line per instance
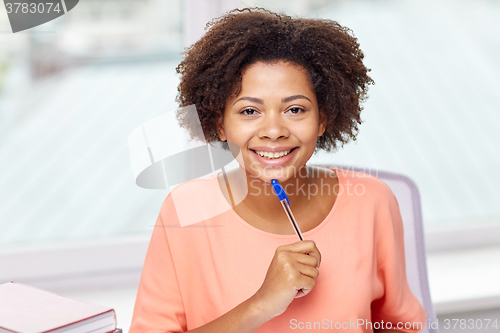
(291, 274)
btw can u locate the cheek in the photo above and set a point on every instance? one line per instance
(307, 132)
(238, 132)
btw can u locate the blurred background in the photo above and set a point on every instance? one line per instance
(72, 219)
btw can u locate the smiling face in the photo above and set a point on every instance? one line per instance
(274, 120)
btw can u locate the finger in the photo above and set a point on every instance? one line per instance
(307, 259)
(306, 270)
(307, 247)
(303, 246)
(305, 286)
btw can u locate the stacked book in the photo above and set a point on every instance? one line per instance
(25, 309)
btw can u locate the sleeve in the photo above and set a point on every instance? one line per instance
(398, 305)
(158, 306)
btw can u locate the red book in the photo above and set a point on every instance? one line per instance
(25, 309)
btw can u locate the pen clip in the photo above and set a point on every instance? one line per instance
(279, 191)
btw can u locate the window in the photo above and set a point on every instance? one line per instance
(432, 113)
(71, 91)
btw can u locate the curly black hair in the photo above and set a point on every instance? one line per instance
(212, 67)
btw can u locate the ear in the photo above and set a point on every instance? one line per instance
(322, 123)
(220, 128)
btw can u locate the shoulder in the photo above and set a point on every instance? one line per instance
(365, 183)
(192, 189)
(193, 201)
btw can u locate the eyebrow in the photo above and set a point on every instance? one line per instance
(251, 99)
(291, 98)
(283, 100)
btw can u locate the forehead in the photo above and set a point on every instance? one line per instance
(273, 71)
(275, 78)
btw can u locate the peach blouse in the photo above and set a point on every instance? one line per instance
(193, 274)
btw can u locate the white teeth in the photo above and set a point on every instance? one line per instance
(272, 155)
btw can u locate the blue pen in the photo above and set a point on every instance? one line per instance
(286, 205)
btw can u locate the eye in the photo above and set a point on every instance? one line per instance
(248, 112)
(296, 110)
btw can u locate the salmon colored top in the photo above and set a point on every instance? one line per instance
(196, 273)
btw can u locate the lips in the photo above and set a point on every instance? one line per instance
(273, 156)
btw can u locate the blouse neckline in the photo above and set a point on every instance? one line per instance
(325, 221)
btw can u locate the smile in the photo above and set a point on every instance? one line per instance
(274, 158)
(271, 155)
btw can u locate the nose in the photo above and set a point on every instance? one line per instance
(273, 126)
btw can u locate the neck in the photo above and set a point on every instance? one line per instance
(258, 195)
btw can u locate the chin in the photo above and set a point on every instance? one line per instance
(281, 174)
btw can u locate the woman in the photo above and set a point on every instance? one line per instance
(277, 89)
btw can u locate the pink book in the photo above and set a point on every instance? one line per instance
(25, 309)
